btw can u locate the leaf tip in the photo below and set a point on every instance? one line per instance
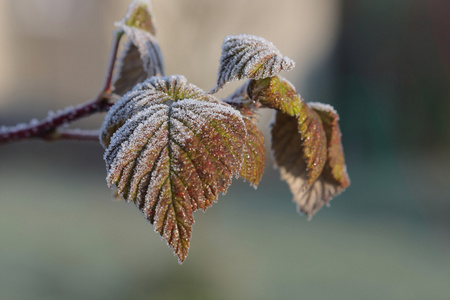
(139, 15)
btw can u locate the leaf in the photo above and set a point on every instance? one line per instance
(134, 68)
(314, 141)
(254, 153)
(336, 159)
(254, 148)
(131, 69)
(289, 150)
(141, 57)
(139, 15)
(280, 94)
(176, 152)
(249, 56)
(154, 90)
(277, 93)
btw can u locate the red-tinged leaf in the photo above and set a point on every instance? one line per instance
(249, 56)
(254, 153)
(289, 152)
(314, 141)
(334, 178)
(172, 155)
(280, 94)
(336, 160)
(277, 93)
(155, 90)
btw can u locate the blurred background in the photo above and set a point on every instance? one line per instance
(385, 67)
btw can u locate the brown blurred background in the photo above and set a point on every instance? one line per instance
(384, 65)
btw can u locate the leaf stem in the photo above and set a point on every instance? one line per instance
(47, 129)
(75, 134)
(106, 89)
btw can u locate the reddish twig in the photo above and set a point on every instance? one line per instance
(47, 129)
(112, 62)
(77, 135)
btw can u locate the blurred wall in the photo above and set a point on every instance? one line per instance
(53, 52)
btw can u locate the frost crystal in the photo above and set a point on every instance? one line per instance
(248, 56)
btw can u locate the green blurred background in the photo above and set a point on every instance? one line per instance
(384, 65)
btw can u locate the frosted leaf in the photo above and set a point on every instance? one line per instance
(249, 56)
(155, 90)
(139, 15)
(289, 152)
(277, 93)
(290, 156)
(335, 165)
(254, 153)
(314, 141)
(130, 69)
(141, 59)
(280, 94)
(176, 149)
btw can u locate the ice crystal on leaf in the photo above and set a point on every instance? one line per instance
(177, 150)
(249, 56)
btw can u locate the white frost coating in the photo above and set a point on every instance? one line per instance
(147, 157)
(120, 139)
(149, 50)
(180, 133)
(323, 107)
(130, 69)
(249, 56)
(135, 4)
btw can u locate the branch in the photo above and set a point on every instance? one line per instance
(75, 135)
(47, 129)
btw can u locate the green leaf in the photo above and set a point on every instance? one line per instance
(335, 165)
(254, 153)
(139, 15)
(248, 56)
(178, 148)
(314, 141)
(277, 93)
(289, 151)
